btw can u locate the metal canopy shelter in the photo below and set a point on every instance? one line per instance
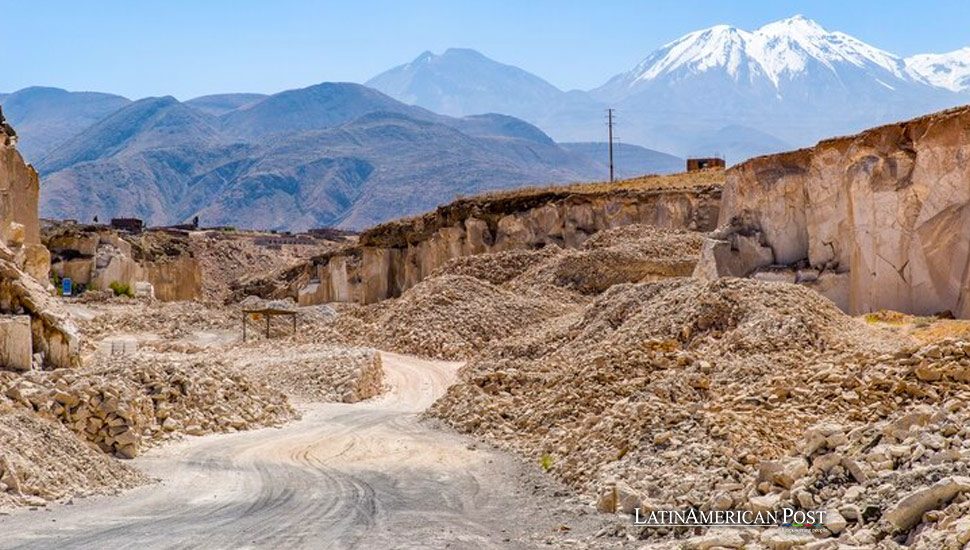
(269, 313)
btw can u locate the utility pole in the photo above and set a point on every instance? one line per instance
(609, 116)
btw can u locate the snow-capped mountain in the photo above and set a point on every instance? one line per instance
(721, 89)
(943, 70)
(792, 79)
(769, 58)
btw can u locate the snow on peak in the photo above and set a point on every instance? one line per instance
(796, 25)
(944, 70)
(718, 46)
(788, 46)
(777, 50)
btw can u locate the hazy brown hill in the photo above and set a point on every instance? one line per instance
(324, 155)
(47, 117)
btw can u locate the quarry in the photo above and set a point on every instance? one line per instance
(529, 368)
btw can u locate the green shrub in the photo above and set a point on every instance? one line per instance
(121, 289)
(546, 462)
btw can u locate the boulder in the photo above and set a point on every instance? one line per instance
(783, 472)
(906, 513)
(16, 343)
(785, 539)
(145, 290)
(717, 539)
(618, 497)
(834, 521)
(765, 503)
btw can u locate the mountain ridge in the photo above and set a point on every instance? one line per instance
(789, 82)
(349, 156)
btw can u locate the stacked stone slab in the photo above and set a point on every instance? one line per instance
(127, 403)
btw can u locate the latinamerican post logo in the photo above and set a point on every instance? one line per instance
(786, 517)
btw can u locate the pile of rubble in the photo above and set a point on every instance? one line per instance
(167, 320)
(475, 301)
(49, 337)
(129, 402)
(497, 267)
(41, 461)
(628, 254)
(226, 260)
(685, 394)
(446, 317)
(313, 372)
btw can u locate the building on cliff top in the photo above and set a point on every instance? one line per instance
(695, 164)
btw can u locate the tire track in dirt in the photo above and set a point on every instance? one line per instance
(364, 476)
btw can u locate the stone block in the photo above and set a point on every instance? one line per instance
(16, 234)
(16, 342)
(144, 289)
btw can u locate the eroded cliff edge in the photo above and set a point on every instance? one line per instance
(392, 257)
(34, 328)
(878, 220)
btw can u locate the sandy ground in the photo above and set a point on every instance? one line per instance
(369, 475)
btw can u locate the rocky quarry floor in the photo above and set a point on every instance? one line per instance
(631, 383)
(155, 372)
(736, 394)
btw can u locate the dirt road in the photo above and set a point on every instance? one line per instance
(367, 476)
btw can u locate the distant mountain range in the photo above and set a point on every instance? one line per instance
(45, 117)
(457, 123)
(330, 154)
(786, 84)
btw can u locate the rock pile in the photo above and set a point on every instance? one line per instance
(41, 460)
(628, 254)
(126, 404)
(475, 301)
(310, 371)
(167, 320)
(497, 267)
(691, 394)
(448, 317)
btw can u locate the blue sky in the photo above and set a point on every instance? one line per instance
(188, 48)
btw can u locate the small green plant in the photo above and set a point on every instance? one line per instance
(546, 462)
(121, 289)
(923, 322)
(56, 281)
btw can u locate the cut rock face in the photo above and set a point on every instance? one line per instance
(883, 216)
(53, 332)
(396, 256)
(24, 266)
(16, 343)
(164, 265)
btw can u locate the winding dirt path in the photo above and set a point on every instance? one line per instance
(365, 476)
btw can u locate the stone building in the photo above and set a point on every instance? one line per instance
(695, 164)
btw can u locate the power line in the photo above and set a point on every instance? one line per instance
(609, 114)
